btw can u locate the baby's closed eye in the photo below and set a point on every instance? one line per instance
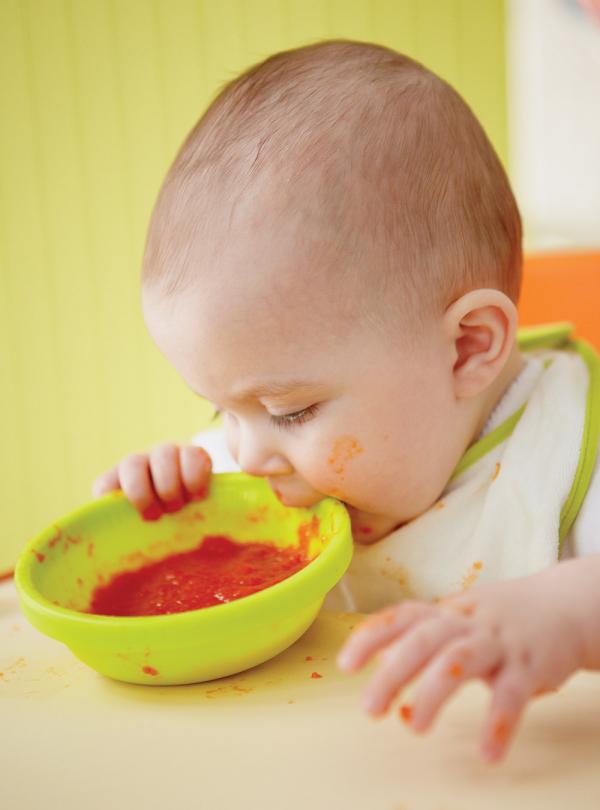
(295, 418)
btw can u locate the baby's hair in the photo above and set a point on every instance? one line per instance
(367, 143)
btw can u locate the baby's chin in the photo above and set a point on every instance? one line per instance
(366, 527)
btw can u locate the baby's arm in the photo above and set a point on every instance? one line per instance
(160, 481)
(523, 637)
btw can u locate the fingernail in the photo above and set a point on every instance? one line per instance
(152, 512)
(174, 505)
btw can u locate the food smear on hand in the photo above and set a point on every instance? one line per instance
(219, 570)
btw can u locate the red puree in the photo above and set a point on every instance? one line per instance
(218, 570)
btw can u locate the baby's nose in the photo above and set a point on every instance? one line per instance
(257, 459)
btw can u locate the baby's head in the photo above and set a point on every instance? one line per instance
(334, 261)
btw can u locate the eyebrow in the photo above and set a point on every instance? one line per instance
(273, 389)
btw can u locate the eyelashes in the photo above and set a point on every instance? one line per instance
(288, 420)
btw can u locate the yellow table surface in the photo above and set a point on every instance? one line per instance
(271, 737)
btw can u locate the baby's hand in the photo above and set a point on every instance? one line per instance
(161, 481)
(520, 636)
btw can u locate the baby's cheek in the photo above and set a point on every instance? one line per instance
(339, 466)
(344, 450)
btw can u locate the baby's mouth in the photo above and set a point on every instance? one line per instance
(294, 494)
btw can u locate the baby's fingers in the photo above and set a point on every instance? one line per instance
(166, 476)
(403, 659)
(463, 659)
(136, 483)
(511, 691)
(378, 631)
(195, 467)
(107, 482)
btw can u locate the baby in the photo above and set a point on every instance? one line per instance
(334, 261)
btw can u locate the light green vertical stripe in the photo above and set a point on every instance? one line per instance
(481, 30)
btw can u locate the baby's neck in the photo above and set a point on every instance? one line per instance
(509, 373)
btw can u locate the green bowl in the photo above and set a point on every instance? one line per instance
(60, 568)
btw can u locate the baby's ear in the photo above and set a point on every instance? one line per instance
(481, 326)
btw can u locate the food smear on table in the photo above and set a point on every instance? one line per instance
(219, 570)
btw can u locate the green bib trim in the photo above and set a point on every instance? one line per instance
(553, 336)
(589, 443)
(491, 440)
(547, 336)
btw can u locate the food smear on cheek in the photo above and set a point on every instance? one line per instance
(344, 450)
(219, 570)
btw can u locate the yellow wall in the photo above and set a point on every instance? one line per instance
(95, 97)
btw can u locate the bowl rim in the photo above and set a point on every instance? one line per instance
(322, 571)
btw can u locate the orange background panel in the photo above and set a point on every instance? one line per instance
(563, 287)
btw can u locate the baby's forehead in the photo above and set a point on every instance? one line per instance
(224, 344)
(273, 278)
